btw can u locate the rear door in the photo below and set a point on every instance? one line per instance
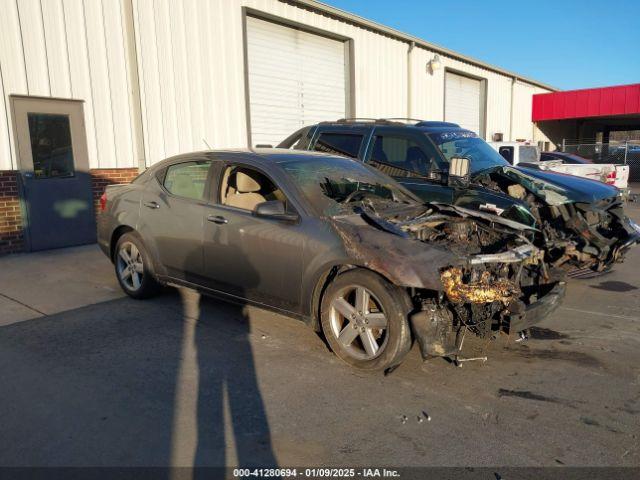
(54, 171)
(173, 212)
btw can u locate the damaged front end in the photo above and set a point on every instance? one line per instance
(582, 223)
(477, 272)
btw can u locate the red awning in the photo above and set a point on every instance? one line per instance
(590, 102)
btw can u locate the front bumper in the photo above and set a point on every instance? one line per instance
(539, 310)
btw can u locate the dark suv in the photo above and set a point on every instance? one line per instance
(581, 222)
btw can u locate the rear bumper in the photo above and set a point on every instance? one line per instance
(104, 229)
(539, 310)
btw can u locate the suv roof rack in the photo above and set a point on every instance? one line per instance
(356, 120)
(433, 123)
(415, 122)
(402, 119)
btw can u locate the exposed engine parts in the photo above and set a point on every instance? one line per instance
(481, 290)
(482, 275)
(573, 234)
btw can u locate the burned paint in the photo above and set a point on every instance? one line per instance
(480, 291)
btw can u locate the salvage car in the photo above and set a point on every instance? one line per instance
(330, 241)
(581, 222)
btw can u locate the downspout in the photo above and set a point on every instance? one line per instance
(410, 79)
(513, 85)
(135, 99)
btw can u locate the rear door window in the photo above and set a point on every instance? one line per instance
(187, 179)
(528, 153)
(344, 144)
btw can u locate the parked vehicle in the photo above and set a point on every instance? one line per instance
(581, 222)
(526, 155)
(517, 152)
(611, 174)
(567, 158)
(331, 241)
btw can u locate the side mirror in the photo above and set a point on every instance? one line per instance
(459, 168)
(275, 209)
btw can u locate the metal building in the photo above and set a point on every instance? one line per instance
(94, 90)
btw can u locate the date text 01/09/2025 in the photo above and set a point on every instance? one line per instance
(316, 473)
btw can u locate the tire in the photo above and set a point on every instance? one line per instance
(136, 276)
(350, 333)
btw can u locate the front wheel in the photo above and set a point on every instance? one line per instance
(133, 267)
(364, 319)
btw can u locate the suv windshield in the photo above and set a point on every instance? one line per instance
(468, 144)
(331, 183)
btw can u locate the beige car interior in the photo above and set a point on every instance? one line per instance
(245, 188)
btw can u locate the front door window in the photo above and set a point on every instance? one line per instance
(400, 156)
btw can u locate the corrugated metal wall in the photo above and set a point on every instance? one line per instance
(190, 65)
(69, 49)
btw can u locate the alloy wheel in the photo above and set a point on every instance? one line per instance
(358, 322)
(130, 266)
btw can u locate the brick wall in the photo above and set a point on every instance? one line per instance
(11, 234)
(102, 177)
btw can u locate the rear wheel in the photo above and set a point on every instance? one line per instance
(133, 267)
(364, 319)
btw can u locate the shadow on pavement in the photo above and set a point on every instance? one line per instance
(170, 381)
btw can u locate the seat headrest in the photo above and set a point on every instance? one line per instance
(246, 184)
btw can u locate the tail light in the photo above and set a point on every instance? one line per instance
(611, 178)
(103, 202)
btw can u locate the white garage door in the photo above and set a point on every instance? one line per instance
(295, 79)
(462, 101)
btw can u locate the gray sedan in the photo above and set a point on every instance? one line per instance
(330, 241)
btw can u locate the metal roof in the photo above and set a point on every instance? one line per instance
(397, 34)
(586, 103)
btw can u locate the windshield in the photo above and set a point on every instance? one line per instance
(468, 144)
(331, 184)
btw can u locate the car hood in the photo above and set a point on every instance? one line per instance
(559, 188)
(377, 240)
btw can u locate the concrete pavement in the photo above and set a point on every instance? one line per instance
(90, 377)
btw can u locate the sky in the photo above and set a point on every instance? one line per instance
(568, 44)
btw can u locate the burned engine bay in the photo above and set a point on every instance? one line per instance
(465, 270)
(574, 234)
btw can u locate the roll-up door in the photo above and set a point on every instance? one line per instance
(295, 78)
(463, 102)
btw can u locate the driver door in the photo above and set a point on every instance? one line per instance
(251, 257)
(411, 163)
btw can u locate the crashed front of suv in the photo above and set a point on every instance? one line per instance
(581, 222)
(464, 270)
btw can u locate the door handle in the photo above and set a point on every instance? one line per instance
(151, 204)
(217, 219)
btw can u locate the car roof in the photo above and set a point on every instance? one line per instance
(257, 156)
(427, 126)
